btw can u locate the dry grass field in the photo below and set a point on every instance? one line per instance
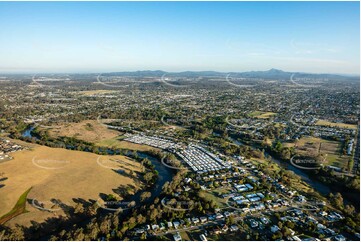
(60, 174)
(262, 115)
(311, 146)
(340, 125)
(88, 130)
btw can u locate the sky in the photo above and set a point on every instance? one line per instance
(317, 37)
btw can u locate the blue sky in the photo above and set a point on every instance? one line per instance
(320, 37)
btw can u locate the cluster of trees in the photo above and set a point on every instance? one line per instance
(172, 160)
(273, 132)
(344, 182)
(285, 153)
(352, 219)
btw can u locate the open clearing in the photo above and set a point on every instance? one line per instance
(312, 146)
(88, 130)
(340, 125)
(61, 174)
(121, 144)
(263, 115)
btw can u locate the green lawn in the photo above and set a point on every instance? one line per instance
(18, 209)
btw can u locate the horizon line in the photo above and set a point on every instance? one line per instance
(154, 70)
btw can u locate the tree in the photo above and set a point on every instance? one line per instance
(153, 214)
(115, 220)
(143, 236)
(148, 177)
(17, 233)
(140, 219)
(336, 200)
(230, 220)
(285, 154)
(349, 210)
(277, 146)
(93, 229)
(104, 225)
(79, 208)
(145, 195)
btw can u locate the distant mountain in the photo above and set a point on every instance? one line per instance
(269, 74)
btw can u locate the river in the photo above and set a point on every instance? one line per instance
(28, 132)
(165, 174)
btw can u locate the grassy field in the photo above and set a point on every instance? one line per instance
(262, 115)
(340, 125)
(18, 209)
(121, 144)
(64, 175)
(312, 146)
(88, 130)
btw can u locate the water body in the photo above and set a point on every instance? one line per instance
(28, 132)
(165, 174)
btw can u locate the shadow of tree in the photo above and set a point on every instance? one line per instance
(3, 179)
(54, 225)
(125, 190)
(135, 175)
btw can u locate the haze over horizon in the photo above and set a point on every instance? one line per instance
(180, 71)
(92, 37)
